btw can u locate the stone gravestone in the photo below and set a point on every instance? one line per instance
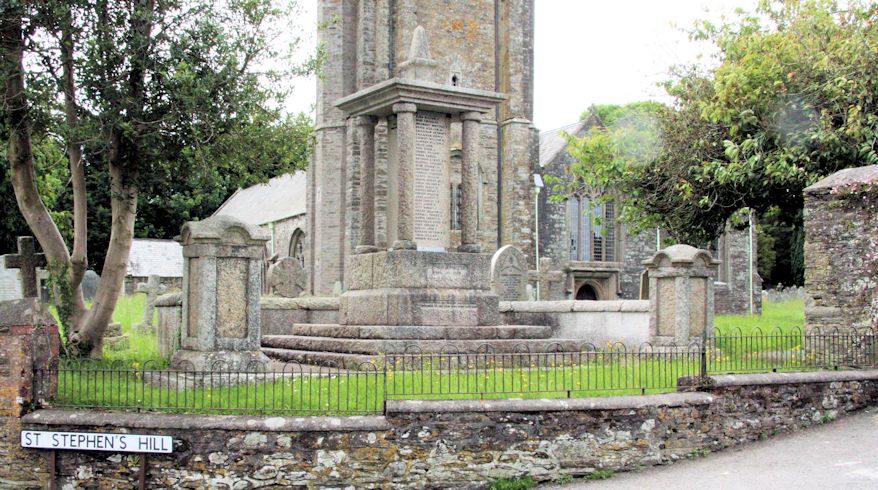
(152, 288)
(90, 282)
(27, 261)
(114, 339)
(287, 278)
(509, 274)
(222, 284)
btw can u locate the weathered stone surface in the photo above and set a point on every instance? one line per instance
(841, 237)
(170, 322)
(371, 46)
(153, 287)
(509, 274)
(29, 341)
(287, 278)
(447, 444)
(90, 283)
(680, 294)
(221, 288)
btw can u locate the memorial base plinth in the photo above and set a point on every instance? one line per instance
(232, 361)
(410, 287)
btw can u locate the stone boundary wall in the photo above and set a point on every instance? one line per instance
(441, 444)
(598, 322)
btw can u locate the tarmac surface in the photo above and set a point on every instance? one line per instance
(840, 455)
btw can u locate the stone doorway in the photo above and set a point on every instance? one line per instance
(586, 292)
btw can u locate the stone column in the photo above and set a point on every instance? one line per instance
(222, 284)
(469, 222)
(405, 136)
(366, 136)
(681, 306)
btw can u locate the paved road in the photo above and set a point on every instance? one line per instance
(839, 455)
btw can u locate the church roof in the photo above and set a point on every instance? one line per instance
(279, 198)
(553, 142)
(148, 257)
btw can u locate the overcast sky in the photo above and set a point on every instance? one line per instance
(592, 52)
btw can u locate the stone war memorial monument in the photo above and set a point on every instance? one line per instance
(417, 282)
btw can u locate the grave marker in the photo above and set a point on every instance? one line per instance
(287, 278)
(509, 274)
(152, 288)
(26, 261)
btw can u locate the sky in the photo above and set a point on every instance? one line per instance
(592, 52)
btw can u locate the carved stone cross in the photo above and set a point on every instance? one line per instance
(27, 262)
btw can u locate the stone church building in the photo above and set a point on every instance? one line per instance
(478, 52)
(601, 260)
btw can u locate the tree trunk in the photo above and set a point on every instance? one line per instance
(124, 210)
(20, 155)
(79, 257)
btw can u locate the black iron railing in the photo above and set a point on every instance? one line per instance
(295, 389)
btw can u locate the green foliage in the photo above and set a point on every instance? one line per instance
(600, 475)
(512, 484)
(563, 479)
(792, 99)
(205, 120)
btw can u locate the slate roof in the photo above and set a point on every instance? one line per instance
(868, 173)
(279, 198)
(163, 258)
(552, 142)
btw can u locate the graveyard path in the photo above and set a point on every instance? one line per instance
(839, 455)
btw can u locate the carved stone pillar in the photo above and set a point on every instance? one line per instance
(469, 222)
(405, 136)
(366, 136)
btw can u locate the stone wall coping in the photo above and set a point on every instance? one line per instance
(567, 306)
(518, 405)
(302, 303)
(793, 378)
(170, 299)
(131, 420)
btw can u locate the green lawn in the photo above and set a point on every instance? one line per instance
(787, 316)
(118, 381)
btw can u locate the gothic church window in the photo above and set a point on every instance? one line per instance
(592, 230)
(297, 246)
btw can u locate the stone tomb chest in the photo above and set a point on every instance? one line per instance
(223, 281)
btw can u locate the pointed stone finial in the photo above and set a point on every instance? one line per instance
(420, 47)
(419, 65)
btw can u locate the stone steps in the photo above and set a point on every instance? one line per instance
(332, 359)
(416, 332)
(378, 347)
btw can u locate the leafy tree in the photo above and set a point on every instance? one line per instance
(793, 98)
(147, 98)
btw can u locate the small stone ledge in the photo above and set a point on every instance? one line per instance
(793, 378)
(143, 420)
(568, 306)
(549, 404)
(302, 303)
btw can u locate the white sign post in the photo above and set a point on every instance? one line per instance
(94, 441)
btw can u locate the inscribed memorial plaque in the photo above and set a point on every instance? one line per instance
(231, 299)
(432, 200)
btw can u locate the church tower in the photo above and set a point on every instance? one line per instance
(476, 45)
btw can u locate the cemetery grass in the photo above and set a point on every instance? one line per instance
(787, 317)
(116, 383)
(101, 385)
